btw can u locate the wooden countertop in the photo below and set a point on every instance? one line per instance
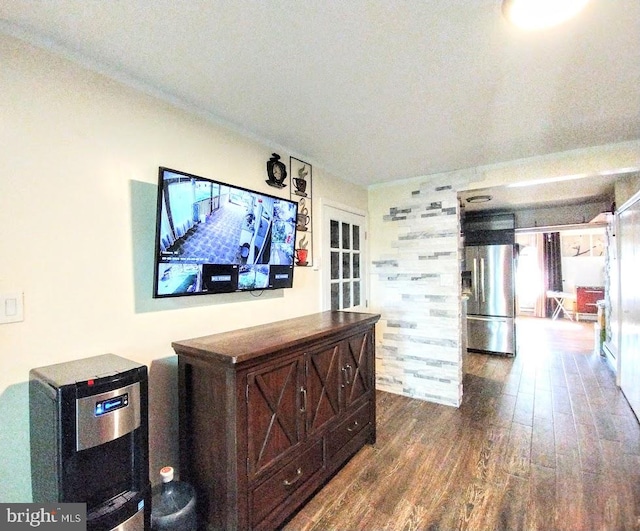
(245, 344)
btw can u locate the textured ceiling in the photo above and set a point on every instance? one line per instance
(372, 91)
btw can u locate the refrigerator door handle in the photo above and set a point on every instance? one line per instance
(482, 286)
(475, 278)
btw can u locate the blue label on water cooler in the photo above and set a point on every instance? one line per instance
(111, 404)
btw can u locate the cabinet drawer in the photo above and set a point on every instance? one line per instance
(274, 491)
(587, 297)
(348, 429)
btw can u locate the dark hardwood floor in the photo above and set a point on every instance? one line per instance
(542, 441)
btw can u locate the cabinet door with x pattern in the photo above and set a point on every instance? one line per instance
(357, 374)
(322, 371)
(275, 402)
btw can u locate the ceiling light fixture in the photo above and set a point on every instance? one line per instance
(548, 180)
(479, 199)
(540, 14)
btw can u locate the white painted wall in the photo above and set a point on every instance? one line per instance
(587, 269)
(79, 159)
(530, 218)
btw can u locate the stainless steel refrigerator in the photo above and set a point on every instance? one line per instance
(491, 304)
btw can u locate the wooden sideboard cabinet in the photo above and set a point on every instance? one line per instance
(269, 413)
(586, 298)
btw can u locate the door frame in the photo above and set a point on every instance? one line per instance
(325, 255)
(632, 201)
(611, 348)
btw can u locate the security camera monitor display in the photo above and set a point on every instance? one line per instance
(213, 237)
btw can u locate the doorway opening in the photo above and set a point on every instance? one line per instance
(560, 276)
(574, 264)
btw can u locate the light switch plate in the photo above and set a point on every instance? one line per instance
(11, 307)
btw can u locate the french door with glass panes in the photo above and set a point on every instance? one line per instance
(344, 260)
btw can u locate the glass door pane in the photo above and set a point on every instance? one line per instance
(345, 281)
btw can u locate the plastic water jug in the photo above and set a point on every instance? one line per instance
(173, 504)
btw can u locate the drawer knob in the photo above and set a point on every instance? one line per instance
(353, 426)
(289, 482)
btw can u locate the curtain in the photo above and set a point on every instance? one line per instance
(540, 307)
(552, 268)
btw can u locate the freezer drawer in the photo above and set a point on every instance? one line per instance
(492, 334)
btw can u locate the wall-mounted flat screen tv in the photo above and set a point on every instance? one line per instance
(213, 237)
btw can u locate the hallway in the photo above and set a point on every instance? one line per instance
(542, 441)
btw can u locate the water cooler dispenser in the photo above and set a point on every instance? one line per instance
(89, 439)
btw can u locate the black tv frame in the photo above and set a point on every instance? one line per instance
(256, 251)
